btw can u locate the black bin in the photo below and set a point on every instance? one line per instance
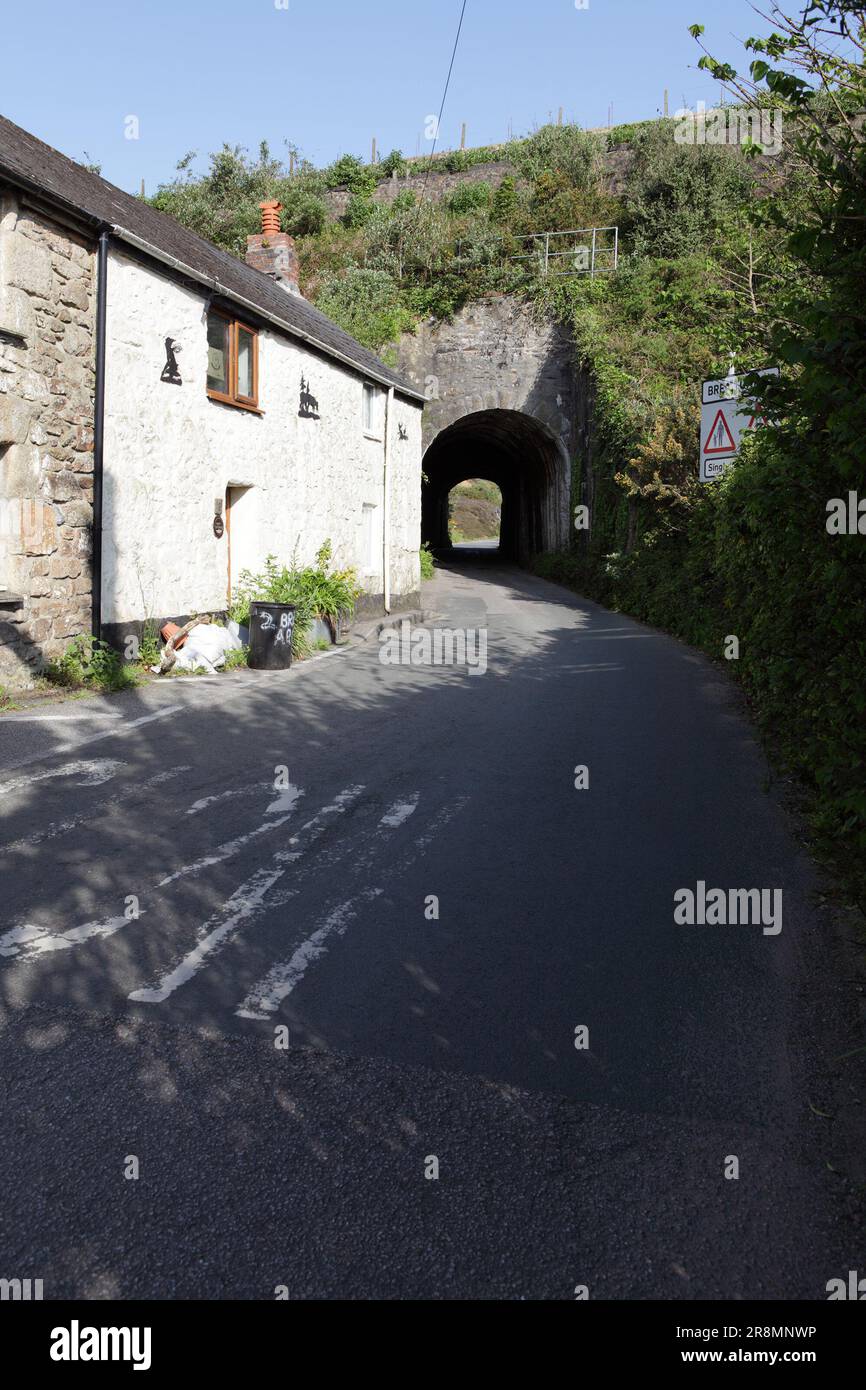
(272, 626)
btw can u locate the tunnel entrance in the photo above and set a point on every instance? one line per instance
(525, 461)
(475, 513)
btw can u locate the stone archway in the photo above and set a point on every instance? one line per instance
(525, 461)
(501, 388)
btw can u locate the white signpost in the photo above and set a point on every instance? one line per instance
(726, 415)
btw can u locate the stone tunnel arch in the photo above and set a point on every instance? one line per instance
(526, 461)
(501, 384)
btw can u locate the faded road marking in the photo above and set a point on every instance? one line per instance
(122, 732)
(93, 774)
(400, 812)
(57, 828)
(39, 941)
(241, 907)
(265, 998)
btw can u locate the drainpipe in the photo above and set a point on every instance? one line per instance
(386, 510)
(99, 430)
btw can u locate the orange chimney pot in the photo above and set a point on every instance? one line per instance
(271, 218)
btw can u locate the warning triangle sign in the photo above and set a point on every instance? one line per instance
(720, 440)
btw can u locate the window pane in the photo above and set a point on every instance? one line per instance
(217, 354)
(368, 409)
(245, 363)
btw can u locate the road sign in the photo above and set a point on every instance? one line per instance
(726, 415)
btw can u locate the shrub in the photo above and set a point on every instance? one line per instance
(504, 201)
(359, 212)
(428, 564)
(349, 172)
(304, 213)
(469, 197)
(91, 665)
(393, 163)
(367, 304)
(315, 591)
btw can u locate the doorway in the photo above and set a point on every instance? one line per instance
(240, 533)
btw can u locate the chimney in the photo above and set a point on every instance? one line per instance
(273, 252)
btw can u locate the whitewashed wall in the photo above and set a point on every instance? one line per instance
(170, 451)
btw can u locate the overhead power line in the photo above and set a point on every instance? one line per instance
(444, 97)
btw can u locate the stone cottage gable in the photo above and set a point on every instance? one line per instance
(47, 298)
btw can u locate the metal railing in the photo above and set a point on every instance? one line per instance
(583, 251)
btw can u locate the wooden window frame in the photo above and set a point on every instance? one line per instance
(232, 396)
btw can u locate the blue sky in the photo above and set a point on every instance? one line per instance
(328, 75)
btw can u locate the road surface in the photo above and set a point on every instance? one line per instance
(390, 869)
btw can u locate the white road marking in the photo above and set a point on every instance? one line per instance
(285, 802)
(39, 941)
(400, 812)
(60, 718)
(122, 732)
(265, 998)
(93, 774)
(251, 789)
(232, 847)
(244, 904)
(241, 907)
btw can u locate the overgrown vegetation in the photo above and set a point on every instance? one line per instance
(315, 591)
(88, 664)
(428, 564)
(776, 276)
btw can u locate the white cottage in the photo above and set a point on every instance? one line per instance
(170, 415)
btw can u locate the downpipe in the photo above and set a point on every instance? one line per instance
(99, 433)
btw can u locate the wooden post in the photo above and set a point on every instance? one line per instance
(666, 103)
(463, 137)
(559, 118)
(142, 188)
(373, 154)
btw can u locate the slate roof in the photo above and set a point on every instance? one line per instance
(30, 163)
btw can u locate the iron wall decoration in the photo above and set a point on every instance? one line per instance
(219, 527)
(309, 405)
(171, 372)
(402, 431)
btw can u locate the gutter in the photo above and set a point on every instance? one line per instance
(99, 430)
(217, 288)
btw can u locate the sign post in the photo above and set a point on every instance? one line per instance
(726, 415)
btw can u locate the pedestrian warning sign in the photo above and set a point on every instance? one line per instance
(720, 440)
(726, 415)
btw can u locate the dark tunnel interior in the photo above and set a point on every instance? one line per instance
(522, 457)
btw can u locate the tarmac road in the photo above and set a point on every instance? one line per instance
(393, 863)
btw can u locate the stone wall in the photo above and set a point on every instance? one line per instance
(495, 354)
(439, 184)
(507, 379)
(47, 311)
